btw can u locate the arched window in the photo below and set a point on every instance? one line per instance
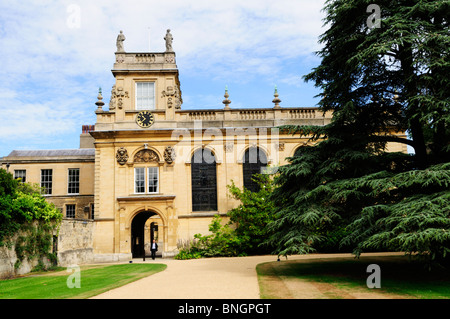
(204, 181)
(253, 163)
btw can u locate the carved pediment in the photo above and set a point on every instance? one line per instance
(146, 156)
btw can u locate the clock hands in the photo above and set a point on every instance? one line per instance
(145, 119)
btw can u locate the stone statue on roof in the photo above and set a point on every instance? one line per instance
(119, 42)
(169, 40)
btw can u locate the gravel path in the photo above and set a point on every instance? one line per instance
(207, 278)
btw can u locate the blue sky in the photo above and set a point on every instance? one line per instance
(56, 54)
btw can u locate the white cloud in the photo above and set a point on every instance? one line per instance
(55, 54)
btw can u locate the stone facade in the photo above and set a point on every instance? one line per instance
(59, 162)
(142, 178)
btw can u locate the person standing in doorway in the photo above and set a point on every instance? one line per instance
(154, 249)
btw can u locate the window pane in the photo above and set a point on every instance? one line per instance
(204, 181)
(254, 162)
(20, 173)
(153, 179)
(73, 181)
(145, 95)
(46, 180)
(70, 211)
(139, 179)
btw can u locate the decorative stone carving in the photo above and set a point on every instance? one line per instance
(122, 156)
(145, 58)
(120, 58)
(146, 156)
(170, 59)
(228, 147)
(280, 146)
(276, 100)
(171, 93)
(99, 102)
(226, 101)
(112, 101)
(119, 42)
(117, 96)
(169, 40)
(169, 155)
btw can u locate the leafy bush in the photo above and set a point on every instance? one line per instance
(222, 242)
(253, 215)
(246, 230)
(24, 210)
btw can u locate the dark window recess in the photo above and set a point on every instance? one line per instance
(204, 181)
(70, 211)
(255, 160)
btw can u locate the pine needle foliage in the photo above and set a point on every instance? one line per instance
(380, 201)
(394, 75)
(377, 82)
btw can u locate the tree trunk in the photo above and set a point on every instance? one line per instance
(413, 112)
(419, 144)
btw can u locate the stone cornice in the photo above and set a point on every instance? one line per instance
(147, 197)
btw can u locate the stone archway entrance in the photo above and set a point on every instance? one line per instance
(143, 231)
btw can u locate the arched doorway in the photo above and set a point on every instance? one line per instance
(142, 235)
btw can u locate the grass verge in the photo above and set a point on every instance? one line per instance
(345, 278)
(93, 280)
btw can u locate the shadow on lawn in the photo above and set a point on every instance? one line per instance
(399, 275)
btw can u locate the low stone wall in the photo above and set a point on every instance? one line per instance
(74, 247)
(75, 242)
(8, 260)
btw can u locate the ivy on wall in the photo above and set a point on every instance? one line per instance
(27, 220)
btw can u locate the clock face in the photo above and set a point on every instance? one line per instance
(145, 119)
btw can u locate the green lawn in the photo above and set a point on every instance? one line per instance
(340, 278)
(93, 281)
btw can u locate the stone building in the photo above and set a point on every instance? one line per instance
(149, 169)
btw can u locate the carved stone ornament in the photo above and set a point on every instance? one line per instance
(170, 59)
(171, 93)
(145, 58)
(122, 156)
(119, 42)
(120, 58)
(169, 39)
(228, 147)
(146, 156)
(169, 154)
(117, 96)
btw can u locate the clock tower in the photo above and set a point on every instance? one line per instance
(134, 192)
(143, 82)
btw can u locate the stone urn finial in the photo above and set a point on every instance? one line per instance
(226, 101)
(276, 100)
(99, 102)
